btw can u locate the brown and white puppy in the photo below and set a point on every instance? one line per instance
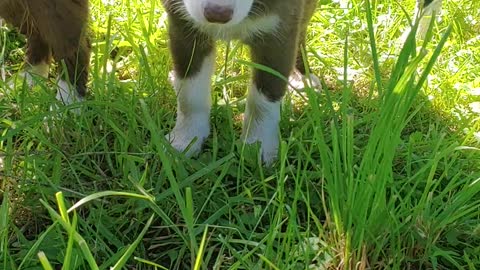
(273, 29)
(54, 29)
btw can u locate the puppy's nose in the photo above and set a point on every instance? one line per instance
(218, 13)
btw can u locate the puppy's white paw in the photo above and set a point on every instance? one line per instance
(30, 78)
(189, 133)
(299, 82)
(36, 72)
(268, 139)
(193, 109)
(32, 75)
(67, 94)
(262, 118)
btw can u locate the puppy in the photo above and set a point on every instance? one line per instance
(54, 29)
(273, 29)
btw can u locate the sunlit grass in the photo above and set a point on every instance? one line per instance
(379, 170)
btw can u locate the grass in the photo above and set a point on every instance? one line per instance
(380, 170)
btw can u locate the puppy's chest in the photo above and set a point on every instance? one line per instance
(245, 30)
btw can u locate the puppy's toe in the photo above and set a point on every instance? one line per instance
(269, 153)
(268, 139)
(268, 148)
(188, 137)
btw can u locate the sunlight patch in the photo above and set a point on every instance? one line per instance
(477, 136)
(315, 250)
(475, 107)
(474, 92)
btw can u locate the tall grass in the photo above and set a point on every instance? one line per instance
(377, 171)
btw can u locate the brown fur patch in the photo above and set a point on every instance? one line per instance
(53, 28)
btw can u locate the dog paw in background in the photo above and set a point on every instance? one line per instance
(55, 32)
(299, 82)
(40, 70)
(66, 93)
(425, 12)
(429, 12)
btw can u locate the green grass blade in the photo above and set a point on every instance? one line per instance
(99, 195)
(67, 261)
(78, 238)
(155, 265)
(128, 253)
(4, 229)
(373, 46)
(201, 251)
(44, 261)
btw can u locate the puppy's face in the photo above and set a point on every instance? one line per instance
(221, 12)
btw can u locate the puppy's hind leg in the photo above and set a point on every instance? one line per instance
(38, 57)
(300, 78)
(72, 85)
(63, 25)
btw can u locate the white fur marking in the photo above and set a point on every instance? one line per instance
(193, 109)
(42, 69)
(67, 94)
(425, 17)
(429, 13)
(261, 122)
(300, 82)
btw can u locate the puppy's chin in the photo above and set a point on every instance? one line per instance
(196, 11)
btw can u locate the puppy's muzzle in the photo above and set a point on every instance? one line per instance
(218, 13)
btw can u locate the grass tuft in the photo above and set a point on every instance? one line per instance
(378, 170)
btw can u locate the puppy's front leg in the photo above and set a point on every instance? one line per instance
(262, 113)
(194, 59)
